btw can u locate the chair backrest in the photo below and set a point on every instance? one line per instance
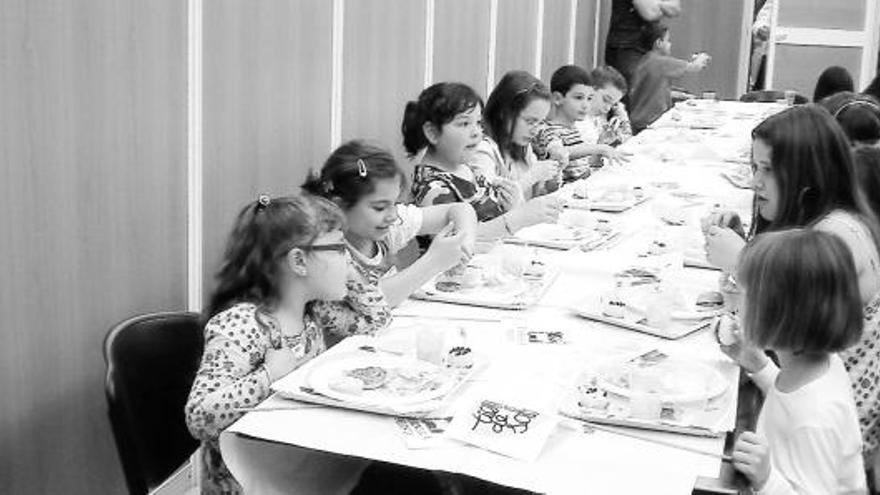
(770, 96)
(151, 361)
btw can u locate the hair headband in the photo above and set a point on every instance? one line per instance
(870, 104)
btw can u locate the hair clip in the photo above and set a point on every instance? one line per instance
(327, 186)
(263, 201)
(362, 168)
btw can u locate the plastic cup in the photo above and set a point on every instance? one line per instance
(790, 97)
(429, 344)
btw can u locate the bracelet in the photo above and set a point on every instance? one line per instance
(506, 225)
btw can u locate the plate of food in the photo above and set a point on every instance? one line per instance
(510, 279)
(554, 235)
(619, 199)
(675, 380)
(619, 309)
(381, 380)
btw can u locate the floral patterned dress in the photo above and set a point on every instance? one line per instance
(862, 361)
(232, 375)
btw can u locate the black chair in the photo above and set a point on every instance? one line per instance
(770, 96)
(151, 363)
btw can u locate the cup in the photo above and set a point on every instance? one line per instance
(709, 95)
(790, 97)
(429, 344)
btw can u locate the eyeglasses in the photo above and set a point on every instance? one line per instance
(339, 247)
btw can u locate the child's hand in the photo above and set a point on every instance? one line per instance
(559, 153)
(279, 362)
(723, 219)
(723, 246)
(749, 357)
(448, 248)
(614, 155)
(751, 457)
(545, 170)
(701, 59)
(509, 193)
(544, 209)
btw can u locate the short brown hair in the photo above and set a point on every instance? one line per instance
(801, 292)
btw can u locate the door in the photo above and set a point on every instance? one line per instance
(809, 35)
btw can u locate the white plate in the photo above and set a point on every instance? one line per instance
(677, 380)
(395, 391)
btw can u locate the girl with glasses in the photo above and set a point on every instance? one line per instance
(513, 113)
(282, 256)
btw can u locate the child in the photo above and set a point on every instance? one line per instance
(804, 177)
(516, 106)
(831, 81)
(609, 113)
(650, 93)
(807, 438)
(867, 164)
(859, 115)
(282, 255)
(365, 181)
(607, 123)
(445, 123)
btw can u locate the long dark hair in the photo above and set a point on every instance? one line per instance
(264, 232)
(813, 167)
(515, 91)
(437, 104)
(351, 172)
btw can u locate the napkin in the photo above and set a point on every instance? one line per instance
(506, 427)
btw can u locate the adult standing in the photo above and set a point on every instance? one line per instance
(623, 46)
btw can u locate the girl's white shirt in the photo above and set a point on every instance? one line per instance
(814, 437)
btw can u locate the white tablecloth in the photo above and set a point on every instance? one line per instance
(287, 450)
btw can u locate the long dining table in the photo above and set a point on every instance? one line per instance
(693, 160)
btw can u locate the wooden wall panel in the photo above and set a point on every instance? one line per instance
(556, 38)
(516, 37)
(461, 42)
(383, 68)
(267, 85)
(93, 195)
(585, 34)
(714, 27)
